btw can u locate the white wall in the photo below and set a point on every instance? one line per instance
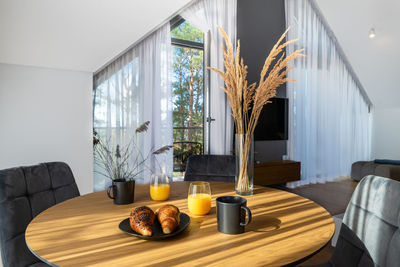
(386, 133)
(378, 72)
(46, 115)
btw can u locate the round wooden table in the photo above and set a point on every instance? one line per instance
(84, 232)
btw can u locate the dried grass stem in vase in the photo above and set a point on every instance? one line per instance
(247, 100)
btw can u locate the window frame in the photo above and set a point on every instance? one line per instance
(175, 22)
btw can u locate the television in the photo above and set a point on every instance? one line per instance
(273, 121)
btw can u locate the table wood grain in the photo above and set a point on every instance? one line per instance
(84, 232)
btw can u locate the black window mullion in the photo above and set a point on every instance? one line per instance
(176, 21)
(186, 43)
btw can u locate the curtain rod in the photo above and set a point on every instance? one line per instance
(331, 34)
(142, 38)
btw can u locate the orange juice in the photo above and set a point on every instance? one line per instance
(159, 191)
(199, 204)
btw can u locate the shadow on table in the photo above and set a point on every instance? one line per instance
(194, 226)
(263, 224)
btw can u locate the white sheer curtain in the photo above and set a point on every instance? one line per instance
(207, 15)
(328, 115)
(133, 89)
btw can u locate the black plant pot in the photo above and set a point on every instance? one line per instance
(123, 192)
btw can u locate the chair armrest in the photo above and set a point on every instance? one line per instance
(357, 170)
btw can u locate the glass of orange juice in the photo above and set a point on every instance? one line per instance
(199, 198)
(159, 187)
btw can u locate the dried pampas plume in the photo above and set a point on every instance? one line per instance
(247, 100)
(143, 127)
(243, 97)
(162, 149)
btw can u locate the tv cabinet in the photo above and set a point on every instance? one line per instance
(276, 172)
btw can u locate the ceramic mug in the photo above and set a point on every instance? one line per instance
(231, 214)
(123, 192)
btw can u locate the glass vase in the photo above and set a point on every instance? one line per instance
(244, 153)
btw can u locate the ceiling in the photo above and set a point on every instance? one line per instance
(78, 35)
(85, 34)
(375, 61)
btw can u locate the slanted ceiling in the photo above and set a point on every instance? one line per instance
(375, 61)
(76, 34)
(85, 34)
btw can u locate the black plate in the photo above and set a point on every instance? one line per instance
(157, 231)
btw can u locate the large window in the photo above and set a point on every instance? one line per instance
(187, 91)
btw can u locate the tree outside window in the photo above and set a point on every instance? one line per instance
(187, 89)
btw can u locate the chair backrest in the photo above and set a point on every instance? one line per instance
(220, 168)
(24, 193)
(373, 214)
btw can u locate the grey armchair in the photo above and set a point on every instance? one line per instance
(370, 234)
(24, 193)
(220, 168)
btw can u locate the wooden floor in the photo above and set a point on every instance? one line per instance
(334, 197)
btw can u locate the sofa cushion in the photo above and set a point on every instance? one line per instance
(360, 169)
(387, 161)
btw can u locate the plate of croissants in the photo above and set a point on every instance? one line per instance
(166, 222)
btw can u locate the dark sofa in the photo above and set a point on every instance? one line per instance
(384, 168)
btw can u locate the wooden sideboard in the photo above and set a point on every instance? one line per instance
(276, 172)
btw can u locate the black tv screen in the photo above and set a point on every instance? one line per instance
(273, 121)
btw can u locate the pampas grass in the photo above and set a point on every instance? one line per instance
(247, 100)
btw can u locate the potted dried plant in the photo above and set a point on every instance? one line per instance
(247, 100)
(122, 164)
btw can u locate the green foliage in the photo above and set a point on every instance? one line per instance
(187, 81)
(187, 31)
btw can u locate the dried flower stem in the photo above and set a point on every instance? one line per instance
(245, 99)
(123, 162)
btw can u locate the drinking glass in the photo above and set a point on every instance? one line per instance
(159, 187)
(199, 198)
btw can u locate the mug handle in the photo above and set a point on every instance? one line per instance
(108, 192)
(248, 216)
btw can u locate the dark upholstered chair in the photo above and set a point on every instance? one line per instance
(219, 168)
(370, 234)
(24, 193)
(350, 251)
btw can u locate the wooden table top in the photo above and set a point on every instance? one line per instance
(84, 232)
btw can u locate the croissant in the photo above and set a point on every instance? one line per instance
(168, 216)
(141, 220)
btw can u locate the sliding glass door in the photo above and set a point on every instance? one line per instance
(187, 92)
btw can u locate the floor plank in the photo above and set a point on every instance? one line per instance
(333, 196)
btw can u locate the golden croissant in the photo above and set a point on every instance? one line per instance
(141, 220)
(168, 216)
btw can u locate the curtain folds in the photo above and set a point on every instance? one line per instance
(133, 89)
(328, 115)
(207, 15)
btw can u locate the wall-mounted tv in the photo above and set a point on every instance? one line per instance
(273, 121)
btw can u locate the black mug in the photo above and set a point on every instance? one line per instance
(123, 192)
(231, 214)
